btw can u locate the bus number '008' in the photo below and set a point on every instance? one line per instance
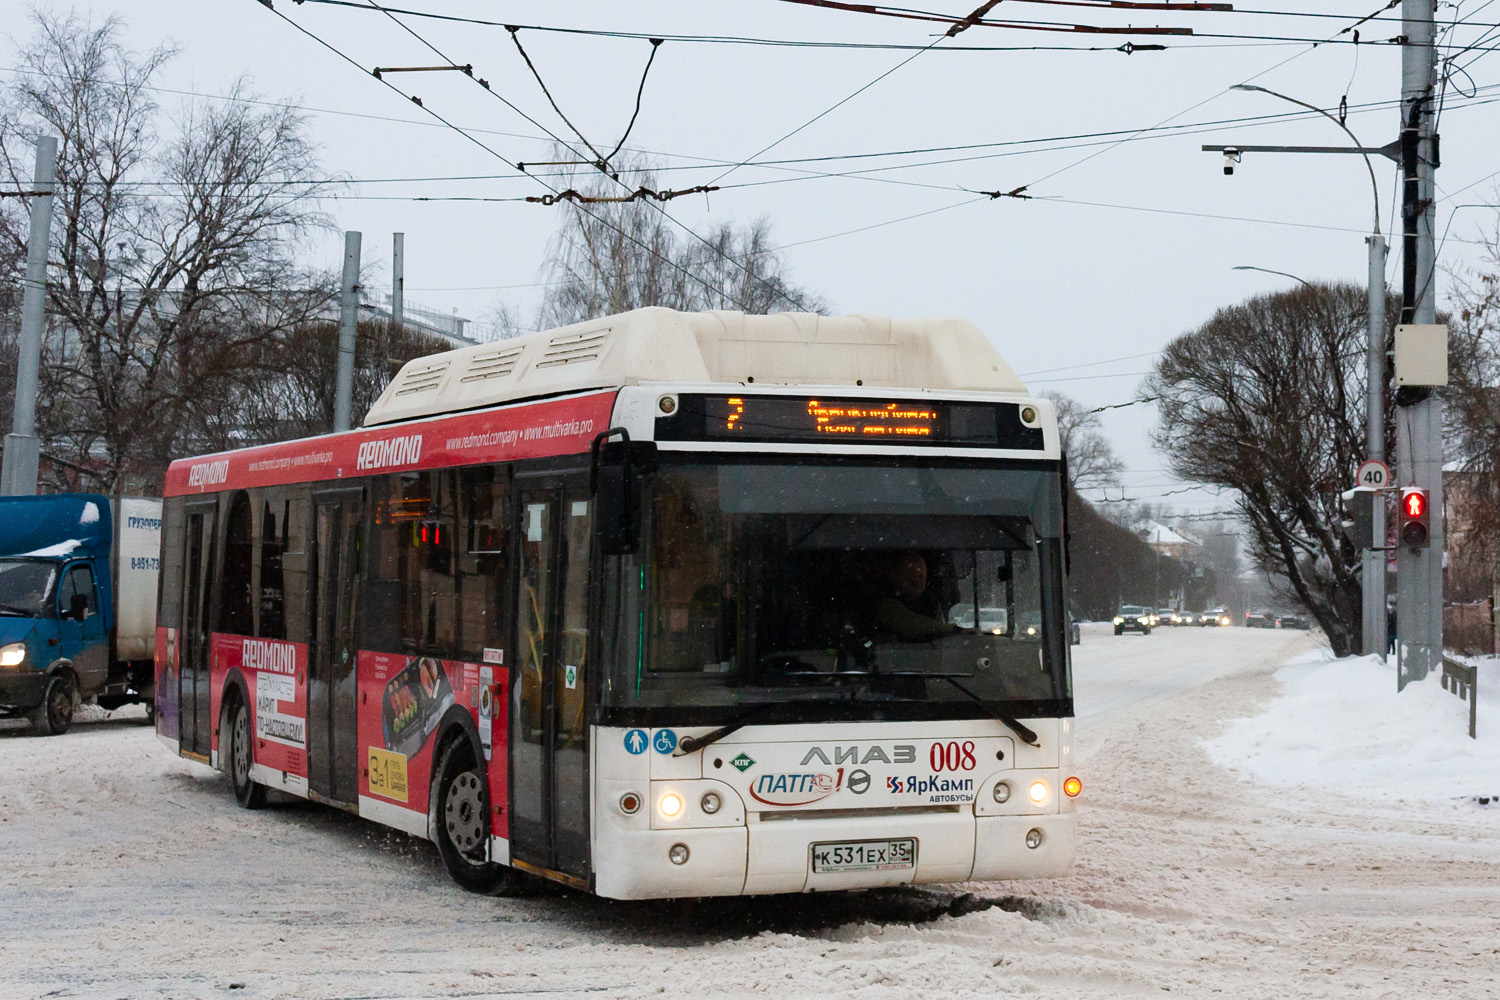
(952, 756)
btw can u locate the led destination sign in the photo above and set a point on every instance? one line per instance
(821, 419)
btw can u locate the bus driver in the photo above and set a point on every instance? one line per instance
(909, 610)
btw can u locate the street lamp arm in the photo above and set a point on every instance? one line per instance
(1374, 184)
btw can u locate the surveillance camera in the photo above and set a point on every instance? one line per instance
(1231, 157)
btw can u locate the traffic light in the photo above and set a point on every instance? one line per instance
(1415, 519)
(1359, 518)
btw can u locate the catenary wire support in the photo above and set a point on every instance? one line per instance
(639, 194)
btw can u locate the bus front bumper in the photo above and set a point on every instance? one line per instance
(775, 855)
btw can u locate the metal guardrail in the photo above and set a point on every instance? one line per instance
(1464, 682)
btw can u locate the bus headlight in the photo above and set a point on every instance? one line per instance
(678, 854)
(1072, 787)
(13, 655)
(1038, 791)
(710, 802)
(670, 806)
(1002, 792)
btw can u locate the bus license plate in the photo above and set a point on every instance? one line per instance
(864, 855)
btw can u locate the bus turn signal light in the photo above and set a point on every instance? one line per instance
(1072, 787)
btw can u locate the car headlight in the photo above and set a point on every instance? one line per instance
(13, 655)
(1141, 621)
(1119, 621)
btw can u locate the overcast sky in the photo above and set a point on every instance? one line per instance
(1122, 247)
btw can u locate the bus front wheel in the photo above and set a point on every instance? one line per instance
(463, 827)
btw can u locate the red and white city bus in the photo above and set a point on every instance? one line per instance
(662, 604)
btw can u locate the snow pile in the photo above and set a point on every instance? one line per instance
(1339, 725)
(90, 514)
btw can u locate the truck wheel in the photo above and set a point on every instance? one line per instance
(463, 827)
(247, 792)
(55, 714)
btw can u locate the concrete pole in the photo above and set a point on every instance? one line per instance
(1373, 580)
(1419, 572)
(348, 318)
(398, 280)
(23, 450)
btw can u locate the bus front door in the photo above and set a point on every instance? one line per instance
(332, 758)
(194, 720)
(549, 823)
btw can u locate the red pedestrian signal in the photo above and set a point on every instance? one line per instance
(1415, 528)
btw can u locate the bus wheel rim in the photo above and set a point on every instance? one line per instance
(241, 746)
(463, 813)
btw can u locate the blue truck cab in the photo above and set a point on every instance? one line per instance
(75, 617)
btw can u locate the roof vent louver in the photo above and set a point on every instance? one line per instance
(422, 379)
(493, 364)
(571, 348)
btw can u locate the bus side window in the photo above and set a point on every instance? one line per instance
(295, 535)
(169, 582)
(411, 586)
(272, 544)
(235, 606)
(482, 559)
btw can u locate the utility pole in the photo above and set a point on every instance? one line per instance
(1372, 582)
(23, 450)
(398, 280)
(1373, 561)
(1419, 414)
(348, 319)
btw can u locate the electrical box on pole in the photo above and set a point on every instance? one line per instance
(1422, 354)
(1416, 521)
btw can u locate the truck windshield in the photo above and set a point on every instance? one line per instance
(864, 588)
(24, 586)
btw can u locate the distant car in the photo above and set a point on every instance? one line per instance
(1133, 618)
(1166, 616)
(1184, 618)
(1293, 620)
(1260, 619)
(1213, 616)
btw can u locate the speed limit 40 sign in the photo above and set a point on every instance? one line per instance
(1373, 474)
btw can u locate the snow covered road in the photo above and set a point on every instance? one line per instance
(125, 872)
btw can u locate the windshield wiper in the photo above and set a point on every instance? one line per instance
(692, 744)
(6, 609)
(1027, 735)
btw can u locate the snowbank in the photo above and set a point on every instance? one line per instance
(1339, 725)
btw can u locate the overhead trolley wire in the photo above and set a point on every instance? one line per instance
(493, 152)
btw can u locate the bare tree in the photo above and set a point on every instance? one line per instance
(609, 257)
(173, 249)
(1472, 407)
(1092, 463)
(1267, 398)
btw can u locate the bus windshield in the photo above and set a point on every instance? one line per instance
(872, 589)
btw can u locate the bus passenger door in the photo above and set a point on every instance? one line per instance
(549, 826)
(332, 759)
(194, 722)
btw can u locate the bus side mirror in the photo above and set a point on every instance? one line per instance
(614, 481)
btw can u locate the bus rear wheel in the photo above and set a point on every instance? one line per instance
(249, 793)
(463, 825)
